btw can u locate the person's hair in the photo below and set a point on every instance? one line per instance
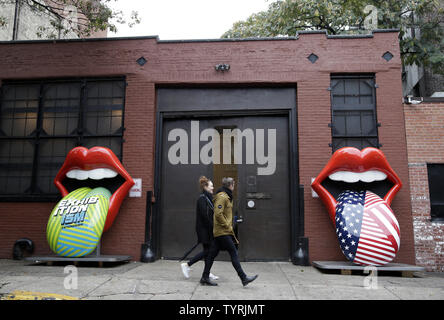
(203, 182)
(228, 181)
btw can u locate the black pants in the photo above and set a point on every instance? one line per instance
(201, 255)
(223, 243)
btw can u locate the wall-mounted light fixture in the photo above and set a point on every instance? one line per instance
(222, 67)
(413, 100)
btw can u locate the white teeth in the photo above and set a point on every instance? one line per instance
(77, 174)
(98, 174)
(373, 175)
(351, 177)
(95, 174)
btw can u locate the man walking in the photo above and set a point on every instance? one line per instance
(224, 238)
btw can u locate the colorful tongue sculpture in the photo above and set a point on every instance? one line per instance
(366, 227)
(77, 222)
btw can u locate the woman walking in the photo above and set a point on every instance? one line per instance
(204, 225)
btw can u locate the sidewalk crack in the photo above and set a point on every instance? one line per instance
(4, 284)
(288, 280)
(392, 293)
(100, 285)
(194, 291)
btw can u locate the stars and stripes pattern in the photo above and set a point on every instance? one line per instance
(366, 227)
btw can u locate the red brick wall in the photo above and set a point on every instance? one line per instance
(272, 62)
(425, 144)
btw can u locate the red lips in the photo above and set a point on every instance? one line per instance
(96, 158)
(353, 160)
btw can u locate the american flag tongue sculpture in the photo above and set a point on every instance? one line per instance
(365, 225)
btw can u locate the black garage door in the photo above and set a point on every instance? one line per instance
(220, 138)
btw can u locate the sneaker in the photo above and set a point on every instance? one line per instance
(185, 270)
(213, 277)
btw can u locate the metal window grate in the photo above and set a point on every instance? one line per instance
(41, 121)
(436, 187)
(353, 112)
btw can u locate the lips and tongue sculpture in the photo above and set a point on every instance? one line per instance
(365, 225)
(78, 220)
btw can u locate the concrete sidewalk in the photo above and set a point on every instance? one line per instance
(164, 280)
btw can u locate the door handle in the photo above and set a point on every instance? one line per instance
(240, 219)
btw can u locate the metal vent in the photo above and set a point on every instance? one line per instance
(387, 56)
(141, 61)
(313, 58)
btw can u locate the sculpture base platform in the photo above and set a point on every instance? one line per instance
(99, 259)
(347, 267)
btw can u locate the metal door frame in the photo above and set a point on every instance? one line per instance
(296, 215)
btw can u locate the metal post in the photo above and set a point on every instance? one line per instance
(147, 252)
(301, 252)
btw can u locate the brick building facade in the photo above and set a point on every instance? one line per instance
(258, 63)
(425, 144)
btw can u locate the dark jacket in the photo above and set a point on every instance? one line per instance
(204, 218)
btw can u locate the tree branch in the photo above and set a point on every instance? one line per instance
(325, 25)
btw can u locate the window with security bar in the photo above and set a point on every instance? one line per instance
(41, 121)
(435, 173)
(353, 111)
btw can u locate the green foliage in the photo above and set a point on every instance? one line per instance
(94, 15)
(424, 46)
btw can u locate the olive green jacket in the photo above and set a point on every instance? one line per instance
(223, 216)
